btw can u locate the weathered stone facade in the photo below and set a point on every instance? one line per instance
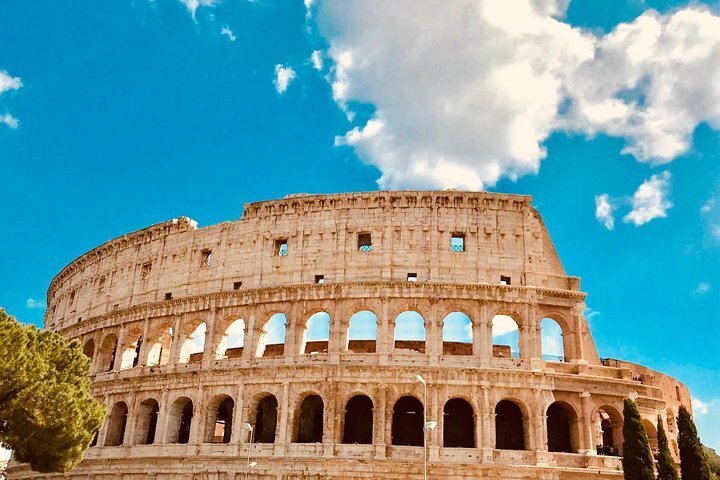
(343, 407)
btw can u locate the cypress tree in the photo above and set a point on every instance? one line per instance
(637, 461)
(693, 463)
(666, 464)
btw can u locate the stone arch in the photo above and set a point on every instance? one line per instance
(161, 345)
(271, 341)
(89, 349)
(179, 420)
(219, 419)
(107, 352)
(552, 340)
(510, 429)
(651, 431)
(458, 424)
(505, 336)
(309, 418)
(232, 343)
(117, 421)
(193, 347)
(562, 427)
(608, 425)
(457, 334)
(316, 333)
(131, 350)
(146, 419)
(358, 425)
(362, 332)
(410, 331)
(407, 422)
(265, 419)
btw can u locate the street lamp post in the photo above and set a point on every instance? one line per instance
(249, 428)
(427, 426)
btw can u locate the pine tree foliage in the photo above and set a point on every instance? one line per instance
(47, 415)
(666, 465)
(693, 463)
(637, 461)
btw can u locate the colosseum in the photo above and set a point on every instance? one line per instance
(364, 335)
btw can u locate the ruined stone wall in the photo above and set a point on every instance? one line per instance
(173, 277)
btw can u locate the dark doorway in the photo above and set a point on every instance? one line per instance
(558, 429)
(266, 420)
(310, 420)
(509, 428)
(407, 422)
(358, 420)
(458, 424)
(223, 421)
(185, 423)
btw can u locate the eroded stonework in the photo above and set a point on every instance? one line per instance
(178, 396)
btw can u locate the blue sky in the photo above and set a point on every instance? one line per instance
(116, 115)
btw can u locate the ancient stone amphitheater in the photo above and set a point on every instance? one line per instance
(329, 336)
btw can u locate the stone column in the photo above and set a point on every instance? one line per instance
(239, 435)
(102, 435)
(433, 334)
(579, 324)
(146, 344)
(487, 416)
(117, 362)
(380, 421)
(329, 420)
(381, 339)
(485, 335)
(210, 335)
(585, 437)
(178, 338)
(538, 415)
(283, 434)
(293, 334)
(131, 421)
(335, 343)
(252, 337)
(198, 422)
(434, 410)
(161, 435)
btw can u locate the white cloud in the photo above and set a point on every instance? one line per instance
(650, 200)
(700, 407)
(604, 211)
(225, 30)
(8, 82)
(193, 5)
(35, 304)
(702, 289)
(9, 120)
(589, 313)
(283, 77)
(708, 206)
(468, 93)
(316, 60)
(503, 324)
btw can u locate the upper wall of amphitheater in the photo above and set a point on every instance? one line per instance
(409, 231)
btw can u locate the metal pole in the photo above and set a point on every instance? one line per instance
(425, 432)
(247, 465)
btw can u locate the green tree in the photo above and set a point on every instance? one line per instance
(47, 415)
(637, 461)
(713, 460)
(693, 463)
(666, 465)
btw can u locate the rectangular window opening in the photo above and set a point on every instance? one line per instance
(206, 258)
(364, 242)
(281, 247)
(237, 285)
(168, 296)
(101, 285)
(72, 297)
(504, 280)
(319, 278)
(412, 277)
(457, 242)
(145, 271)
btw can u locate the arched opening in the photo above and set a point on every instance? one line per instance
(89, 349)
(561, 428)
(358, 420)
(458, 424)
(194, 345)
(131, 352)
(106, 354)
(233, 341)
(179, 420)
(551, 336)
(316, 334)
(608, 426)
(146, 422)
(407, 422)
(219, 419)
(457, 334)
(159, 353)
(509, 426)
(505, 337)
(266, 420)
(410, 331)
(310, 420)
(362, 334)
(272, 338)
(116, 425)
(651, 431)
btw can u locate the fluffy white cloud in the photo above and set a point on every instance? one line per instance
(35, 304)
(650, 200)
(700, 407)
(702, 289)
(225, 30)
(604, 211)
(9, 120)
(283, 77)
(316, 60)
(503, 324)
(468, 93)
(8, 82)
(193, 5)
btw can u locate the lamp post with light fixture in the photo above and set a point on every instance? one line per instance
(427, 426)
(249, 428)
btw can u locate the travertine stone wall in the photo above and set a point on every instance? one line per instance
(174, 276)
